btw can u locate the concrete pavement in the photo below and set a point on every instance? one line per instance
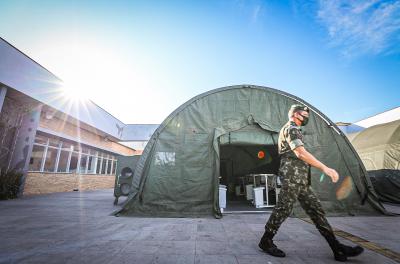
(77, 227)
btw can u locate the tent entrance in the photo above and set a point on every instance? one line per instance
(238, 164)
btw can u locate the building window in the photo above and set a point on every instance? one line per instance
(50, 154)
(114, 167)
(63, 162)
(99, 163)
(50, 160)
(36, 158)
(82, 168)
(103, 166)
(91, 165)
(109, 163)
(73, 165)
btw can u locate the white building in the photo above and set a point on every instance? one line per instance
(58, 144)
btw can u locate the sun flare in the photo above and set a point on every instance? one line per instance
(76, 91)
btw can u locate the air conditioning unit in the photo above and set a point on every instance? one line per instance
(124, 175)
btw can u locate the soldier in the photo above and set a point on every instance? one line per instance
(294, 172)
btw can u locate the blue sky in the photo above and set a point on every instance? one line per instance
(140, 60)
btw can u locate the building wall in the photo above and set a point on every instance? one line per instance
(10, 117)
(62, 126)
(41, 183)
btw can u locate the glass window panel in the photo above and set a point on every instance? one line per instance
(62, 164)
(82, 168)
(74, 162)
(40, 139)
(98, 166)
(103, 167)
(36, 158)
(92, 163)
(109, 162)
(114, 167)
(50, 161)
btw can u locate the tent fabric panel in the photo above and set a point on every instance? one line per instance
(392, 157)
(253, 135)
(382, 134)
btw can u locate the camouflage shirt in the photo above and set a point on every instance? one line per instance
(292, 169)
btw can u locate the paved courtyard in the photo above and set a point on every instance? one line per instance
(77, 227)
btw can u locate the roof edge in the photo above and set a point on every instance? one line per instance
(23, 53)
(376, 114)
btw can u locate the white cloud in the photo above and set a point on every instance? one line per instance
(362, 26)
(256, 13)
(253, 9)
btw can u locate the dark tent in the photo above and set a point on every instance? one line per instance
(178, 172)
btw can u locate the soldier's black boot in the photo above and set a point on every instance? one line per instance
(340, 251)
(267, 245)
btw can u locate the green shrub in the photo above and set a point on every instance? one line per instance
(10, 182)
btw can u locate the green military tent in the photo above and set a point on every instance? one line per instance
(178, 172)
(379, 149)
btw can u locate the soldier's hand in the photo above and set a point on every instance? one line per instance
(332, 173)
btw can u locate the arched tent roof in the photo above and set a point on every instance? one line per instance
(382, 134)
(351, 136)
(178, 172)
(379, 146)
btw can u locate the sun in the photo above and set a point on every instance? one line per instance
(76, 90)
(93, 71)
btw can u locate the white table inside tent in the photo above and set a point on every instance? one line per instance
(270, 183)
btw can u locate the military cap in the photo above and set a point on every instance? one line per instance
(297, 107)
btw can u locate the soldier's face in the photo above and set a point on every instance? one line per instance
(302, 116)
(304, 113)
(299, 115)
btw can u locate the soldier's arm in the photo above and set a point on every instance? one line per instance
(307, 157)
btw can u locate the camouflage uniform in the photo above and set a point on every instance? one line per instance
(294, 174)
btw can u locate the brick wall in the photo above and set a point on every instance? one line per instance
(40, 183)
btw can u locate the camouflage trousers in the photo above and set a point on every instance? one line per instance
(291, 192)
